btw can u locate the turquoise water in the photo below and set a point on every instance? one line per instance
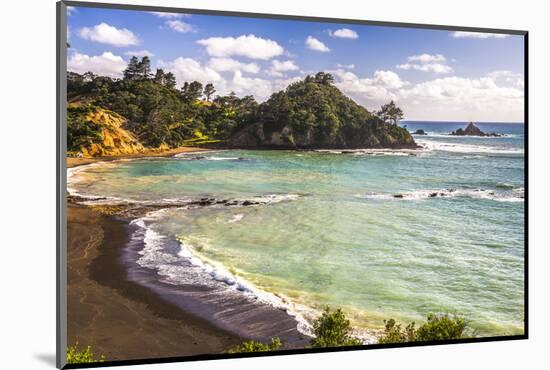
(329, 229)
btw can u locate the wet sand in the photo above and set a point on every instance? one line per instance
(118, 318)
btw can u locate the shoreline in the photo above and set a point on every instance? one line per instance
(98, 267)
(117, 317)
(80, 161)
(141, 210)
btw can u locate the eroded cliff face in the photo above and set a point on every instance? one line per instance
(115, 140)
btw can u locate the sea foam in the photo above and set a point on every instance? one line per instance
(514, 196)
(466, 148)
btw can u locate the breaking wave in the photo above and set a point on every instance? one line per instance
(515, 195)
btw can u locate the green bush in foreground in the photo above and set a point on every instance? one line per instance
(438, 327)
(333, 329)
(253, 346)
(74, 356)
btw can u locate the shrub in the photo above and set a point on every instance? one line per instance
(394, 333)
(437, 327)
(253, 346)
(332, 329)
(441, 327)
(74, 356)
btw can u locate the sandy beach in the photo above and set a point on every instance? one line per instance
(74, 161)
(118, 318)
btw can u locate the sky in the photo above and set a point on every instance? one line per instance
(433, 75)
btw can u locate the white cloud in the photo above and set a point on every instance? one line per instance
(478, 35)
(314, 44)
(179, 26)
(232, 65)
(434, 63)
(460, 98)
(279, 67)
(249, 46)
(427, 58)
(139, 53)
(106, 64)
(260, 88)
(388, 79)
(171, 15)
(346, 66)
(106, 34)
(496, 97)
(71, 10)
(187, 69)
(373, 91)
(427, 67)
(344, 33)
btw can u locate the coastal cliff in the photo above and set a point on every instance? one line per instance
(108, 117)
(93, 131)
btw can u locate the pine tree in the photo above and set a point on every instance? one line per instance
(209, 90)
(131, 72)
(170, 80)
(144, 68)
(160, 77)
(191, 91)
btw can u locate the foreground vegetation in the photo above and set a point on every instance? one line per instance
(84, 356)
(253, 346)
(437, 327)
(311, 112)
(333, 329)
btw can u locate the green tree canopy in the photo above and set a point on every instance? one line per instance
(209, 90)
(390, 113)
(333, 329)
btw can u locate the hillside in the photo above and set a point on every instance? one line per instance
(313, 113)
(124, 116)
(94, 131)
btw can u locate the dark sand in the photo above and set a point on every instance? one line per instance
(118, 318)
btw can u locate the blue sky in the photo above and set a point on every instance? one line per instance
(431, 74)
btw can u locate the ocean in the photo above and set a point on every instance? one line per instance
(381, 234)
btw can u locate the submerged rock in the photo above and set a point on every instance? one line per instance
(420, 132)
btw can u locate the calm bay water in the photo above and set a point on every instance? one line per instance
(331, 231)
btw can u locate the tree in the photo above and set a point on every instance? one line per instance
(160, 76)
(390, 113)
(209, 90)
(191, 91)
(132, 70)
(144, 68)
(333, 329)
(170, 80)
(324, 78)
